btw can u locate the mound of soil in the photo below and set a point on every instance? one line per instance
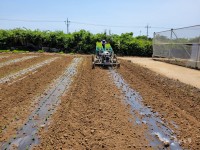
(178, 103)
(16, 98)
(92, 116)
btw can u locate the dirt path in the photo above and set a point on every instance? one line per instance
(16, 99)
(177, 103)
(183, 74)
(92, 116)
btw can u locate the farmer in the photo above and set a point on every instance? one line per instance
(103, 43)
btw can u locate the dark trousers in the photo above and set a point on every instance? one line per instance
(103, 46)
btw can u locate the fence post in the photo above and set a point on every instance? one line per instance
(154, 35)
(198, 55)
(171, 43)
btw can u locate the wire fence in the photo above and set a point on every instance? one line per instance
(180, 46)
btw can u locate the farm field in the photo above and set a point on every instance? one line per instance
(183, 74)
(57, 101)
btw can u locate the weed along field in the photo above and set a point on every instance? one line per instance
(57, 101)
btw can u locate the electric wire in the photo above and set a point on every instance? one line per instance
(81, 23)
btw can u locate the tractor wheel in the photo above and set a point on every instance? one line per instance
(93, 65)
(118, 66)
(92, 58)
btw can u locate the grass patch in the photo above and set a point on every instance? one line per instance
(61, 52)
(2, 51)
(19, 51)
(72, 53)
(40, 51)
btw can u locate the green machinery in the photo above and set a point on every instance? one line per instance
(104, 56)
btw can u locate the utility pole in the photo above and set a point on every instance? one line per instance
(105, 31)
(147, 29)
(140, 32)
(26, 38)
(109, 32)
(67, 23)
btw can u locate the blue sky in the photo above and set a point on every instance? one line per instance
(133, 14)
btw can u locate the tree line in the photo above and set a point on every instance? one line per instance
(82, 42)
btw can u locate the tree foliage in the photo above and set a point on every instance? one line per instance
(82, 42)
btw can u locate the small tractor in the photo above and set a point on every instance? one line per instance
(104, 56)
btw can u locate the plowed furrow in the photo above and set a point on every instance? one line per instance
(16, 100)
(16, 60)
(20, 65)
(27, 70)
(92, 116)
(177, 103)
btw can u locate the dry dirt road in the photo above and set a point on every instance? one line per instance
(101, 109)
(185, 75)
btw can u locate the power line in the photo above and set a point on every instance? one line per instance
(103, 25)
(160, 28)
(67, 22)
(21, 20)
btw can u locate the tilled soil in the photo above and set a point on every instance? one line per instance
(12, 68)
(92, 116)
(8, 56)
(165, 68)
(177, 103)
(16, 98)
